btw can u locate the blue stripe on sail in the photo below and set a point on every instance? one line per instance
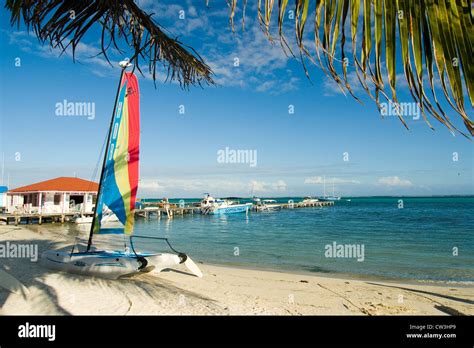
(110, 194)
(112, 197)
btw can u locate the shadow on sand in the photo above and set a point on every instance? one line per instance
(33, 276)
(442, 308)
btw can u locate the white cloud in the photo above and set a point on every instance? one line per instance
(393, 181)
(217, 187)
(249, 60)
(262, 187)
(149, 185)
(262, 65)
(320, 180)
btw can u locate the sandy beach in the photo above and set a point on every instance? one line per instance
(222, 290)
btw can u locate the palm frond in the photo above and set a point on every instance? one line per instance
(436, 33)
(63, 24)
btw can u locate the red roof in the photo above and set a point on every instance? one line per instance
(60, 184)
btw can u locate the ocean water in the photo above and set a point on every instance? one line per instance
(428, 239)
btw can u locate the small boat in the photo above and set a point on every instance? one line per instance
(117, 193)
(214, 206)
(107, 218)
(81, 219)
(329, 198)
(326, 198)
(309, 200)
(266, 204)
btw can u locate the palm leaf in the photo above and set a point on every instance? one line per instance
(436, 33)
(52, 23)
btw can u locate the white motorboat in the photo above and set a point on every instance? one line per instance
(213, 206)
(309, 200)
(266, 204)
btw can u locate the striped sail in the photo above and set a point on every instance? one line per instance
(120, 180)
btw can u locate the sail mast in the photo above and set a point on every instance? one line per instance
(123, 66)
(3, 167)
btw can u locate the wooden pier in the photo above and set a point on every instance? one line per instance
(18, 218)
(159, 209)
(299, 205)
(166, 211)
(149, 210)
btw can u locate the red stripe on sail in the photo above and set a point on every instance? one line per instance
(133, 96)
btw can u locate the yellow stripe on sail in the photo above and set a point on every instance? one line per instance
(121, 166)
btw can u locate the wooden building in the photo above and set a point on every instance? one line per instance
(59, 195)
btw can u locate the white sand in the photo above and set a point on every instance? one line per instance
(222, 290)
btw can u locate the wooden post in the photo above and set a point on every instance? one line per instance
(40, 198)
(64, 203)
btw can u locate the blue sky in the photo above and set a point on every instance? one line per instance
(247, 110)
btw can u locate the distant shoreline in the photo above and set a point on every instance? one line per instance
(301, 197)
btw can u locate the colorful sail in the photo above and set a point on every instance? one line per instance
(120, 180)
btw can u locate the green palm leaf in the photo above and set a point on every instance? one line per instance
(52, 22)
(436, 33)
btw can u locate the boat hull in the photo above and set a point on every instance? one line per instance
(108, 264)
(268, 207)
(241, 208)
(329, 199)
(104, 264)
(83, 220)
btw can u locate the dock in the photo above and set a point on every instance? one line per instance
(18, 218)
(300, 205)
(147, 211)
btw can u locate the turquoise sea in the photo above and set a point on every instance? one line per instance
(430, 238)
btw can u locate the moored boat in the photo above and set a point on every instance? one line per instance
(310, 200)
(213, 206)
(266, 204)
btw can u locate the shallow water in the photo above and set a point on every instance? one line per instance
(418, 241)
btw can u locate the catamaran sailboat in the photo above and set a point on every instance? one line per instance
(117, 193)
(214, 206)
(327, 198)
